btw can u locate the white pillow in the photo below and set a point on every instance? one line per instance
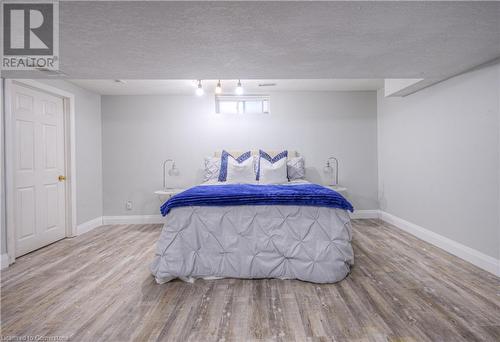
(296, 168)
(273, 173)
(240, 172)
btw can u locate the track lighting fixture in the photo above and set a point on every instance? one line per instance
(218, 88)
(199, 89)
(239, 88)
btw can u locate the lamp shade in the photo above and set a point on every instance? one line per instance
(174, 171)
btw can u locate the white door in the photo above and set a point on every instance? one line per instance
(38, 146)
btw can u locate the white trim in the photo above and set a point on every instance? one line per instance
(141, 219)
(133, 219)
(70, 148)
(89, 225)
(365, 214)
(4, 261)
(466, 253)
(2, 205)
(69, 103)
(157, 219)
(9, 175)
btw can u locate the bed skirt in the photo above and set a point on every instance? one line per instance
(285, 242)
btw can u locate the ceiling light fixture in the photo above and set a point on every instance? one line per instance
(218, 88)
(199, 89)
(239, 88)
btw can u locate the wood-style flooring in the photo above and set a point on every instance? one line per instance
(97, 287)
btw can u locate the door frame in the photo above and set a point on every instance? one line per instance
(69, 158)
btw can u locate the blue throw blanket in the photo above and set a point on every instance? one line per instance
(251, 194)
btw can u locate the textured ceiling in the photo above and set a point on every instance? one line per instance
(259, 40)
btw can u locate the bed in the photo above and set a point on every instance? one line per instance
(296, 230)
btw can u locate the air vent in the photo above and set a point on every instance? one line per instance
(50, 72)
(267, 84)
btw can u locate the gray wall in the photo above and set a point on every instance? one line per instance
(438, 155)
(139, 132)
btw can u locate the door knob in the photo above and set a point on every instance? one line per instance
(62, 178)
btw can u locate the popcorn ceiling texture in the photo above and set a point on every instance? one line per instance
(267, 39)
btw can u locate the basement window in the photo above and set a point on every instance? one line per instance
(242, 104)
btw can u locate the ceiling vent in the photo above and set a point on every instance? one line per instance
(50, 72)
(267, 84)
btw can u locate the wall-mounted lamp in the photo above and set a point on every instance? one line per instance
(199, 89)
(174, 171)
(328, 169)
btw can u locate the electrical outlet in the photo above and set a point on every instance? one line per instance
(129, 205)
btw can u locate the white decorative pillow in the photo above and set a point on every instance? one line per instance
(272, 170)
(240, 172)
(296, 168)
(237, 170)
(212, 168)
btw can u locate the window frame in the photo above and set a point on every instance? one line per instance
(241, 103)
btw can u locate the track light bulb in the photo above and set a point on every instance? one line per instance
(218, 88)
(199, 89)
(239, 88)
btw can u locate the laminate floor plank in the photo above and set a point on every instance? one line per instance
(97, 287)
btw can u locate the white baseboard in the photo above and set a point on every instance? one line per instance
(365, 214)
(4, 261)
(133, 219)
(88, 226)
(466, 253)
(157, 219)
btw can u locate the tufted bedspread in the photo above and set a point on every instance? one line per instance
(278, 241)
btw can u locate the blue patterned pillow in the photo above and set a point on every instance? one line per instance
(266, 156)
(212, 169)
(223, 162)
